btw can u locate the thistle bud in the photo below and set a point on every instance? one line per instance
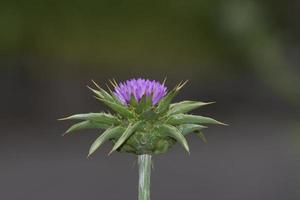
(144, 120)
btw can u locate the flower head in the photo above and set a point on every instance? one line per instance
(145, 121)
(137, 88)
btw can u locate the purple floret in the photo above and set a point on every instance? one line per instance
(138, 88)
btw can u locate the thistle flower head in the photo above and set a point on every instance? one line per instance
(137, 88)
(145, 120)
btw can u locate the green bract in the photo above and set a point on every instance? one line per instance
(141, 127)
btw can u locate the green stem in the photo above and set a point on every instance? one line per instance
(144, 162)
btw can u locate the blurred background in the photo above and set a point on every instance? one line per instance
(242, 54)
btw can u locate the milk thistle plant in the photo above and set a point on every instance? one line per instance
(144, 123)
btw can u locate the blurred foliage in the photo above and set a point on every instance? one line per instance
(216, 38)
(123, 30)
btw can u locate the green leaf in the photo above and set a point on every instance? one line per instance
(96, 92)
(202, 136)
(149, 115)
(164, 104)
(191, 119)
(122, 110)
(133, 101)
(97, 117)
(105, 95)
(186, 106)
(148, 103)
(174, 133)
(128, 132)
(101, 93)
(189, 128)
(144, 104)
(141, 105)
(86, 125)
(107, 135)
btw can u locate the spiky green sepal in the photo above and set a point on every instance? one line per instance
(141, 127)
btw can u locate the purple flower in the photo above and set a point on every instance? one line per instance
(138, 88)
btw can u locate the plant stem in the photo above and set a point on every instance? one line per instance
(144, 162)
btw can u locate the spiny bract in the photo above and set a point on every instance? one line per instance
(145, 120)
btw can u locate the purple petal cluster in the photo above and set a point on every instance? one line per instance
(138, 88)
